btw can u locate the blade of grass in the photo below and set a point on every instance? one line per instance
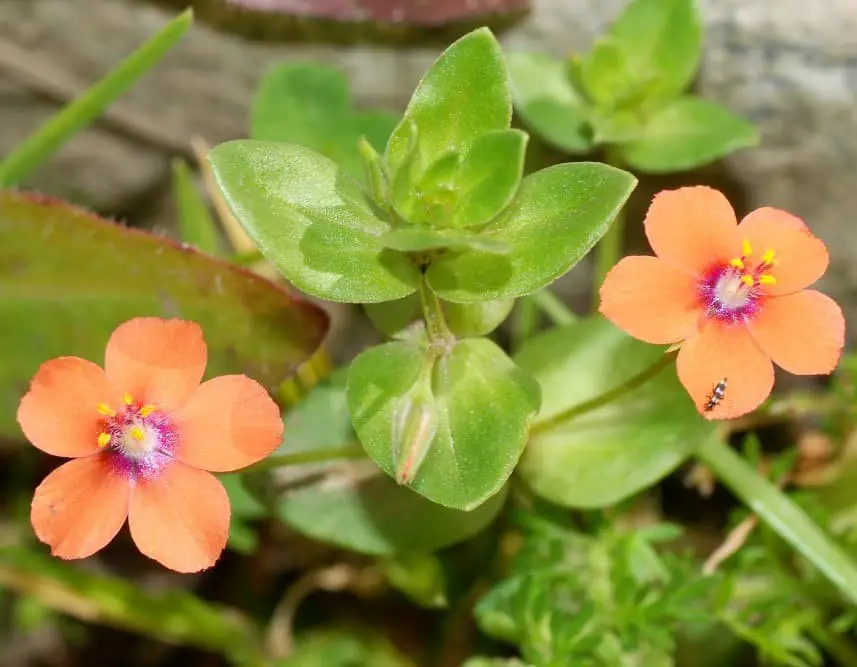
(39, 146)
(196, 223)
(777, 510)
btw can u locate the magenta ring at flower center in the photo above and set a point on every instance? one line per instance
(144, 458)
(725, 297)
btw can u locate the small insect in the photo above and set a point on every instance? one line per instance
(717, 395)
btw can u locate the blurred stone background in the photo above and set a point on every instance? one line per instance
(789, 65)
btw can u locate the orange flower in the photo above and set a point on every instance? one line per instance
(142, 433)
(733, 294)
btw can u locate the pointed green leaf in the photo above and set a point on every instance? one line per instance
(485, 404)
(662, 42)
(600, 457)
(464, 94)
(309, 104)
(420, 576)
(488, 176)
(312, 221)
(686, 134)
(351, 503)
(557, 216)
(604, 73)
(548, 102)
(70, 278)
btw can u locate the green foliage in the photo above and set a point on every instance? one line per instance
(607, 598)
(245, 509)
(312, 221)
(471, 407)
(601, 456)
(309, 104)
(34, 150)
(684, 134)
(64, 257)
(556, 218)
(464, 320)
(350, 502)
(420, 576)
(343, 648)
(628, 93)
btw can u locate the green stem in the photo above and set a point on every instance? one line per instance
(607, 253)
(525, 321)
(838, 647)
(607, 397)
(38, 147)
(332, 453)
(781, 514)
(552, 306)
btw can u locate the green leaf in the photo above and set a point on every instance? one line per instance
(604, 73)
(662, 44)
(420, 576)
(548, 102)
(686, 134)
(309, 104)
(557, 216)
(484, 405)
(173, 616)
(463, 95)
(464, 320)
(343, 648)
(312, 221)
(421, 239)
(600, 457)
(195, 221)
(74, 117)
(488, 176)
(70, 278)
(351, 503)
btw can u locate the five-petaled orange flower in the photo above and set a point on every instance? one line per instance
(144, 436)
(732, 294)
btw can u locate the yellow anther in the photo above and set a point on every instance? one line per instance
(146, 410)
(747, 280)
(768, 257)
(737, 263)
(128, 399)
(106, 410)
(137, 433)
(103, 439)
(746, 248)
(766, 279)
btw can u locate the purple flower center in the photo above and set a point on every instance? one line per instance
(140, 440)
(727, 296)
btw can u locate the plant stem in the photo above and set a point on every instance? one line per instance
(781, 514)
(320, 455)
(38, 147)
(525, 320)
(552, 306)
(607, 397)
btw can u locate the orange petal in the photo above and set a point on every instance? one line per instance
(180, 517)
(725, 351)
(693, 228)
(229, 423)
(801, 258)
(156, 361)
(59, 414)
(80, 506)
(651, 300)
(802, 332)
